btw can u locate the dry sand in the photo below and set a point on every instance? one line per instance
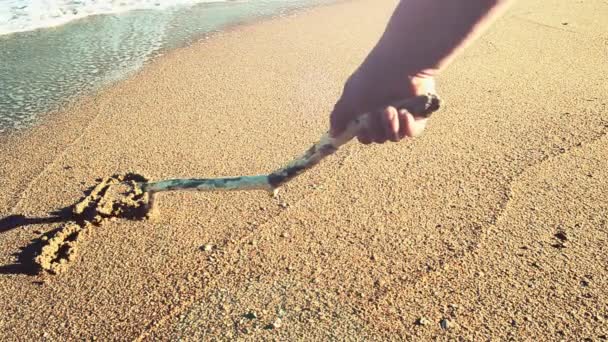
(494, 222)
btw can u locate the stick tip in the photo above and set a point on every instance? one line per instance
(152, 212)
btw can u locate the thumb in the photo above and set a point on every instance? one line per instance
(350, 103)
(339, 118)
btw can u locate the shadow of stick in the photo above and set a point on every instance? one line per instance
(15, 221)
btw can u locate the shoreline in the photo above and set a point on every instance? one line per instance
(59, 24)
(489, 226)
(200, 38)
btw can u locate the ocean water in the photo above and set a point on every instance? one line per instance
(54, 51)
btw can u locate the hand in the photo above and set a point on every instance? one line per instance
(363, 95)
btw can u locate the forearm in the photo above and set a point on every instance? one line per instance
(424, 36)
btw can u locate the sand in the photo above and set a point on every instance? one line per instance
(492, 225)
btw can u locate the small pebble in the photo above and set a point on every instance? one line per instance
(422, 321)
(446, 324)
(277, 323)
(208, 247)
(283, 205)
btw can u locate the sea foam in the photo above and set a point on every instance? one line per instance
(27, 15)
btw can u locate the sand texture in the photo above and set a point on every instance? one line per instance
(493, 225)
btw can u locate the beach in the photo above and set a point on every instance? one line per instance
(492, 225)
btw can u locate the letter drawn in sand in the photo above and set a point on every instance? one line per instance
(118, 196)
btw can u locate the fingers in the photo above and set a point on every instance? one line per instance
(403, 123)
(363, 93)
(390, 121)
(414, 125)
(391, 125)
(377, 129)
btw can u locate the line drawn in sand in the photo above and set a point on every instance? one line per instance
(118, 196)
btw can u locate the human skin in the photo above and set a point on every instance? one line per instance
(421, 39)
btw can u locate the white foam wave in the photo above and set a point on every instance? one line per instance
(27, 15)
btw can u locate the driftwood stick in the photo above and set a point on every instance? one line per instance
(422, 105)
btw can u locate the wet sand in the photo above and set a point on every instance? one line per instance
(491, 225)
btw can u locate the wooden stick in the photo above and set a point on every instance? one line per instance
(423, 105)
